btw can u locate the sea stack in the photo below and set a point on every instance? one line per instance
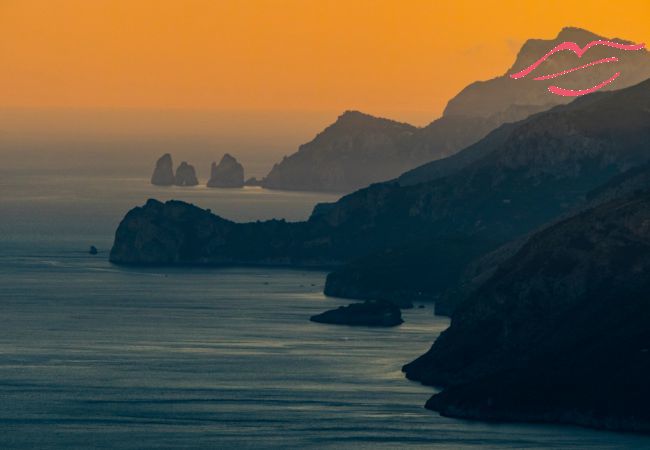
(227, 174)
(185, 175)
(163, 174)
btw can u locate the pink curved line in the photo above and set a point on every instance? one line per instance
(564, 72)
(576, 93)
(575, 48)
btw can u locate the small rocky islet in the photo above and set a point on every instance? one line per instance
(229, 173)
(163, 174)
(185, 175)
(375, 313)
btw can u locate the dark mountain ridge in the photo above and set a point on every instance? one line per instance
(537, 169)
(358, 149)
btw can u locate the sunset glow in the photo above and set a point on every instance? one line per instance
(398, 59)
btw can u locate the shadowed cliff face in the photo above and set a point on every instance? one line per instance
(559, 332)
(360, 149)
(414, 241)
(630, 182)
(519, 178)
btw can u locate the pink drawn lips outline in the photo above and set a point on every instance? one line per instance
(579, 51)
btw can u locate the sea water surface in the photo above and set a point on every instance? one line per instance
(96, 355)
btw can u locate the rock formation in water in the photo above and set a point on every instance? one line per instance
(227, 174)
(252, 181)
(559, 333)
(92, 250)
(369, 313)
(185, 175)
(163, 174)
(358, 149)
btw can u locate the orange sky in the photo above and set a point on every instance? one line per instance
(401, 59)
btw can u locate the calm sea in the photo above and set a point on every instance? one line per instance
(94, 355)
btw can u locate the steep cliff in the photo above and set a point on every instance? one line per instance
(560, 332)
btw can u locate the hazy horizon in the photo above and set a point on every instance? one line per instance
(101, 85)
(130, 140)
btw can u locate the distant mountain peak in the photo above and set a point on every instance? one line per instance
(357, 119)
(498, 95)
(354, 116)
(353, 113)
(533, 49)
(578, 35)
